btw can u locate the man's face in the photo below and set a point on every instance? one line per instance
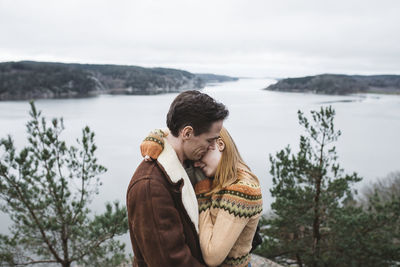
(196, 147)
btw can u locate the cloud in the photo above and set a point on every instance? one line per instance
(261, 38)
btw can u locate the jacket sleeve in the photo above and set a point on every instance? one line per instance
(157, 226)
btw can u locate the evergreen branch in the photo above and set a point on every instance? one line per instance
(33, 214)
(36, 262)
(93, 245)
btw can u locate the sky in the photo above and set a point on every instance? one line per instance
(243, 38)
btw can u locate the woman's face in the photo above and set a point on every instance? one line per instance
(209, 162)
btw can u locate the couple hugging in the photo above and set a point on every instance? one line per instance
(193, 201)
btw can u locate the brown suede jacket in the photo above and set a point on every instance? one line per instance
(163, 214)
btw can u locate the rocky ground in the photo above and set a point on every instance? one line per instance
(258, 261)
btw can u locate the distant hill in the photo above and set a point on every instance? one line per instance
(339, 84)
(213, 78)
(32, 80)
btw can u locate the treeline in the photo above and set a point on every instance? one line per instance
(26, 80)
(31, 80)
(213, 78)
(338, 84)
(317, 218)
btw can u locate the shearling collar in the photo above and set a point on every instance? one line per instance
(174, 169)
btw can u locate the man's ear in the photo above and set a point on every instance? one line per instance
(220, 144)
(187, 132)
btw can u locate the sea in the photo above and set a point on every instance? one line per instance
(261, 122)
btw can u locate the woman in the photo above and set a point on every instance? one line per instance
(230, 202)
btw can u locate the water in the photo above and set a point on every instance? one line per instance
(261, 122)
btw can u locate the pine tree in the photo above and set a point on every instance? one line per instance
(310, 189)
(368, 233)
(46, 189)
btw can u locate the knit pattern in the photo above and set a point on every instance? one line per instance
(204, 202)
(234, 211)
(150, 138)
(240, 200)
(201, 188)
(239, 261)
(153, 144)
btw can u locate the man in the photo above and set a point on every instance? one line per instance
(162, 206)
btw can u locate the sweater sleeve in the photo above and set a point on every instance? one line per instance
(201, 188)
(235, 206)
(153, 144)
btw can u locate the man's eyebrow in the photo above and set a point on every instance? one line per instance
(214, 138)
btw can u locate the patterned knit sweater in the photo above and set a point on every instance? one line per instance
(228, 220)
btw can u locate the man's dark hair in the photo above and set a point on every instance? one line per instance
(196, 109)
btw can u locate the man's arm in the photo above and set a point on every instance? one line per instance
(157, 226)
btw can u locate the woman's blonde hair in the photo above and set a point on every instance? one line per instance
(231, 166)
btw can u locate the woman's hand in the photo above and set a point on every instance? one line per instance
(153, 144)
(199, 164)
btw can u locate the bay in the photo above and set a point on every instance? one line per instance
(261, 123)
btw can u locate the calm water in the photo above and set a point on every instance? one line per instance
(261, 122)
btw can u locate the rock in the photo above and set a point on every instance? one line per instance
(258, 261)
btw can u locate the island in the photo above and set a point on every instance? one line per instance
(339, 84)
(33, 80)
(213, 78)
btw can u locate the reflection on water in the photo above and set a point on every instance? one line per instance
(339, 101)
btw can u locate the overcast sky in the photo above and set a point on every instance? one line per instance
(241, 38)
